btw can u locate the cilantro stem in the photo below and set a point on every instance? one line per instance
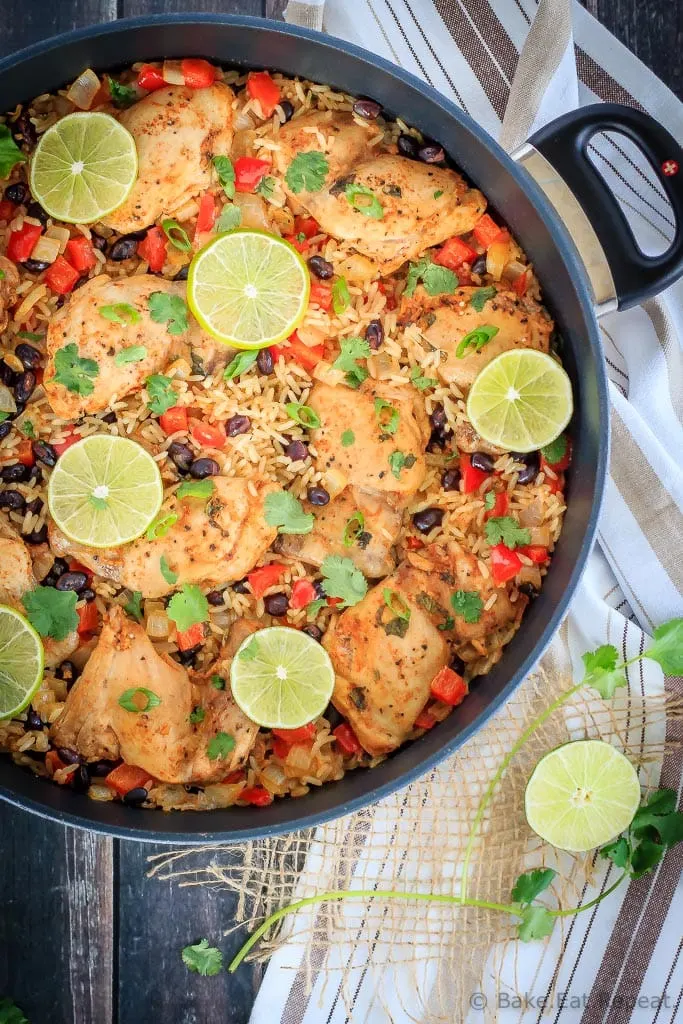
(593, 903)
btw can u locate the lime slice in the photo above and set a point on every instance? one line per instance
(581, 795)
(521, 401)
(281, 678)
(105, 491)
(248, 289)
(84, 167)
(21, 662)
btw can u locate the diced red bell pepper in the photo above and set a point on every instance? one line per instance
(414, 543)
(6, 209)
(472, 478)
(536, 552)
(152, 249)
(206, 218)
(198, 73)
(449, 687)
(80, 254)
(321, 295)
(70, 438)
(505, 563)
(304, 734)
(307, 226)
(425, 720)
(174, 419)
(53, 761)
(88, 618)
(256, 795)
(248, 173)
(261, 87)
(347, 739)
(150, 78)
(191, 637)
(303, 592)
(25, 453)
(22, 242)
(126, 777)
(280, 748)
(267, 576)
(520, 283)
(486, 231)
(306, 356)
(454, 253)
(561, 464)
(299, 244)
(210, 435)
(500, 507)
(232, 778)
(556, 485)
(332, 602)
(61, 276)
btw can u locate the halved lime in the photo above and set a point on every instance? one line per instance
(21, 662)
(581, 795)
(105, 491)
(521, 401)
(248, 289)
(281, 678)
(84, 167)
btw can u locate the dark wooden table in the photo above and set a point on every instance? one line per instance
(85, 937)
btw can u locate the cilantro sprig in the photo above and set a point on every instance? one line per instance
(467, 604)
(307, 172)
(342, 579)
(506, 530)
(188, 607)
(51, 612)
(170, 310)
(74, 372)
(353, 349)
(203, 959)
(435, 279)
(10, 154)
(286, 512)
(161, 394)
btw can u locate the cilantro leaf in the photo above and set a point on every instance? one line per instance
(353, 349)
(218, 682)
(601, 671)
(131, 354)
(476, 339)
(196, 716)
(286, 512)
(52, 612)
(242, 362)
(10, 1013)
(467, 604)
(226, 174)
(436, 280)
(388, 425)
(420, 382)
(531, 884)
(536, 923)
(188, 607)
(307, 172)
(266, 187)
(481, 296)
(619, 852)
(27, 429)
(645, 857)
(489, 500)
(506, 530)
(133, 605)
(342, 579)
(341, 296)
(556, 450)
(314, 607)
(139, 699)
(203, 959)
(161, 394)
(230, 218)
(10, 154)
(659, 813)
(348, 438)
(667, 650)
(196, 489)
(73, 372)
(166, 571)
(221, 745)
(120, 313)
(170, 310)
(399, 460)
(122, 95)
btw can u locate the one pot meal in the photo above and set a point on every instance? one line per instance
(283, 432)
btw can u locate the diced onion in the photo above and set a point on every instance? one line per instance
(496, 259)
(530, 574)
(253, 209)
(61, 234)
(513, 270)
(335, 482)
(383, 366)
(84, 90)
(157, 625)
(7, 403)
(532, 515)
(326, 373)
(540, 535)
(273, 778)
(46, 249)
(173, 72)
(357, 269)
(299, 758)
(311, 336)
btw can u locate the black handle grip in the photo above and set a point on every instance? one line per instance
(564, 143)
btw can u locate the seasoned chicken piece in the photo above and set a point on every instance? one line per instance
(177, 130)
(421, 205)
(161, 739)
(334, 133)
(468, 440)
(211, 542)
(353, 441)
(386, 656)
(9, 279)
(444, 320)
(355, 525)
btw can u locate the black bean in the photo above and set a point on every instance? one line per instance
(240, 587)
(296, 451)
(33, 720)
(374, 334)
(237, 425)
(124, 249)
(72, 581)
(531, 466)
(314, 631)
(215, 597)
(87, 594)
(193, 790)
(35, 506)
(80, 780)
(29, 356)
(457, 664)
(450, 479)
(479, 265)
(16, 473)
(110, 417)
(36, 536)
(35, 266)
(98, 242)
(182, 273)
(202, 468)
(35, 475)
(437, 417)
(408, 146)
(8, 376)
(181, 455)
(427, 519)
(26, 128)
(276, 604)
(44, 452)
(36, 211)
(135, 797)
(17, 193)
(189, 657)
(333, 716)
(67, 672)
(264, 361)
(59, 567)
(13, 500)
(439, 439)
(529, 589)
(317, 495)
(287, 110)
(319, 587)
(5, 429)
(432, 154)
(368, 109)
(482, 461)
(100, 769)
(69, 756)
(321, 268)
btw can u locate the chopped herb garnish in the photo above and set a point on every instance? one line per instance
(398, 461)
(166, 571)
(342, 579)
(314, 607)
(196, 716)
(506, 530)
(364, 200)
(122, 95)
(218, 682)
(388, 417)
(266, 187)
(220, 746)
(188, 607)
(170, 310)
(161, 394)
(73, 372)
(467, 604)
(307, 172)
(139, 699)
(10, 154)
(133, 605)
(420, 382)
(120, 313)
(242, 362)
(203, 959)
(196, 489)
(303, 414)
(476, 339)
(226, 174)
(396, 604)
(556, 450)
(481, 296)
(161, 525)
(353, 349)
(436, 280)
(230, 218)
(176, 235)
(438, 193)
(27, 429)
(4, 416)
(489, 500)
(286, 512)
(51, 612)
(341, 296)
(354, 528)
(348, 438)
(131, 354)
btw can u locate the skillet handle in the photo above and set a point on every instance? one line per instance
(621, 274)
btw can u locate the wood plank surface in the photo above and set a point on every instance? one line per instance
(28, 21)
(130, 8)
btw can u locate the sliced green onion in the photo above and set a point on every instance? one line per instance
(129, 699)
(341, 296)
(388, 425)
(373, 208)
(161, 526)
(120, 313)
(353, 528)
(302, 414)
(396, 605)
(176, 235)
(131, 354)
(476, 339)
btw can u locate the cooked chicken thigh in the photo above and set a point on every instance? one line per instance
(177, 130)
(337, 134)
(211, 542)
(353, 440)
(444, 320)
(9, 279)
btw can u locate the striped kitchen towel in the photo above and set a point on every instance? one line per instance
(513, 65)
